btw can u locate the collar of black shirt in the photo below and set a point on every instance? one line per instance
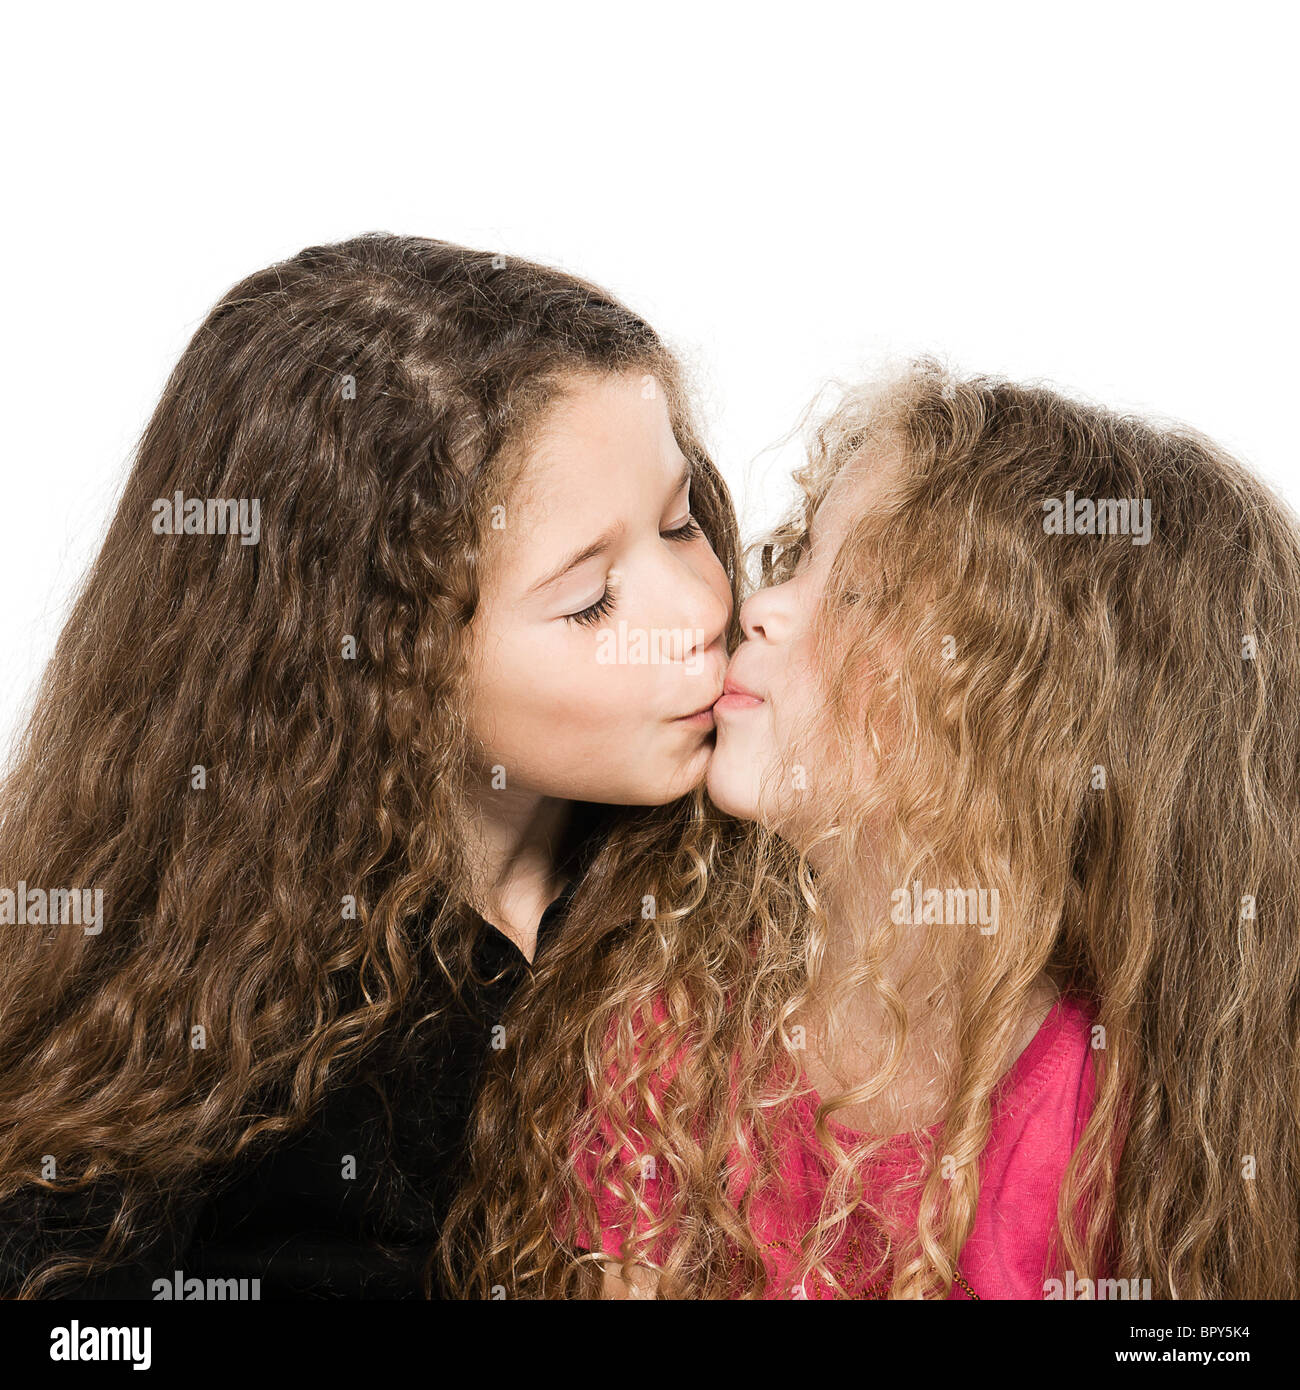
(496, 951)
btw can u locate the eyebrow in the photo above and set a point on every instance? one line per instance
(602, 542)
(588, 552)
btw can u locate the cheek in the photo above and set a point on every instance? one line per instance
(551, 690)
(797, 718)
(768, 763)
(563, 724)
(796, 697)
(586, 702)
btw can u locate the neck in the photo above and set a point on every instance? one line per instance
(854, 1052)
(515, 841)
(856, 898)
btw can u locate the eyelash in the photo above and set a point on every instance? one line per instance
(604, 605)
(687, 531)
(589, 617)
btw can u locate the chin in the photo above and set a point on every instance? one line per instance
(732, 793)
(674, 781)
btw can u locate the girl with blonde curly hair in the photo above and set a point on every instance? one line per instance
(1011, 1006)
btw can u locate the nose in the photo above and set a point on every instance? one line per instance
(701, 604)
(711, 631)
(763, 615)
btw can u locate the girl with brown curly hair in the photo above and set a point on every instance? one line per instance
(330, 745)
(1019, 1014)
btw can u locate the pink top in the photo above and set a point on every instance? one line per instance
(1038, 1113)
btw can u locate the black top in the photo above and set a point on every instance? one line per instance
(302, 1217)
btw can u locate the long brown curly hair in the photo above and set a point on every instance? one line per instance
(1107, 732)
(231, 741)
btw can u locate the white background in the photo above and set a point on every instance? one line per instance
(1100, 196)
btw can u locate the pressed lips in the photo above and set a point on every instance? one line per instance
(736, 697)
(703, 717)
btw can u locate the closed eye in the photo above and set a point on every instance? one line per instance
(589, 617)
(687, 531)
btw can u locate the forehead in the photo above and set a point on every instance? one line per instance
(602, 428)
(603, 452)
(867, 482)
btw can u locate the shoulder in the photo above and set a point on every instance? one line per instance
(1039, 1113)
(1052, 1081)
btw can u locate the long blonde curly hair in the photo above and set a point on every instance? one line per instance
(1108, 734)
